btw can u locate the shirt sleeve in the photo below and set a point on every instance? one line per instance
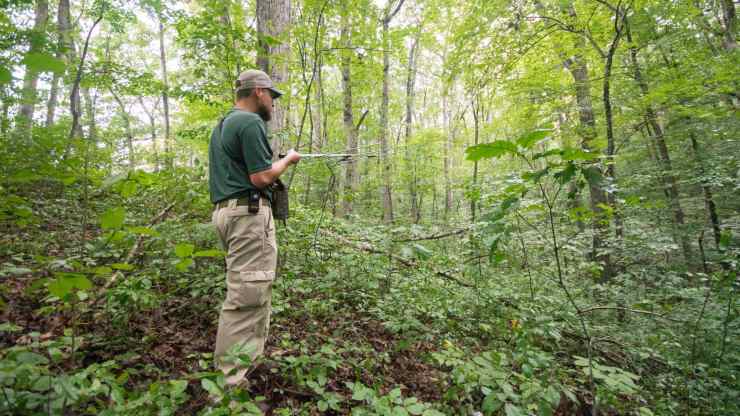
(255, 147)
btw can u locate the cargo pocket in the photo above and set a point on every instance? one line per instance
(248, 289)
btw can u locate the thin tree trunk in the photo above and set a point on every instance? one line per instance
(387, 193)
(668, 179)
(75, 104)
(350, 177)
(706, 188)
(152, 130)
(4, 117)
(24, 121)
(410, 101)
(165, 95)
(273, 20)
(92, 129)
(127, 128)
(610, 146)
(447, 119)
(476, 138)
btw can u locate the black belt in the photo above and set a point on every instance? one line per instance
(243, 201)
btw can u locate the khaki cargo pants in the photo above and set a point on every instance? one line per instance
(249, 240)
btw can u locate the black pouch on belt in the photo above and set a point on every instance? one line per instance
(280, 205)
(254, 202)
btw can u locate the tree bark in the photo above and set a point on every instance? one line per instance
(729, 21)
(273, 20)
(410, 101)
(447, 120)
(350, 176)
(165, 94)
(387, 193)
(75, 104)
(587, 130)
(476, 120)
(707, 189)
(670, 185)
(152, 130)
(24, 121)
(127, 129)
(92, 129)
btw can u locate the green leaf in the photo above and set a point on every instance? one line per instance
(178, 387)
(496, 148)
(529, 139)
(211, 387)
(143, 231)
(183, 264)
(565, 175)
(122, 266)
(113, 218)
(416, 409)
(422, 252)
(184, 250)
(571, 153)
(536, 175)
(5, 75)
(593, 175)
(43, 62)
(323, 406)
(209, 253)
(31, 358)
(491, 404)
(65, 283)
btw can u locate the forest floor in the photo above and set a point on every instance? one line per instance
(321, 340)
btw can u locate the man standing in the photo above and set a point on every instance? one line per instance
(241, 172)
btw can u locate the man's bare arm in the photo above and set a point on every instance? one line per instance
(266, 177)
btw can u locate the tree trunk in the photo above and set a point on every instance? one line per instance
(75, 104)
(92, 129)
(447, 120)
(165, 95)
(410, 98)
(385, 160)
(152, 131)
(668, 179)
(610, 145)
(729, 21)
(127, 128)
(4, 114)
(706, 188)
(579, 70)
(350, 176)
(24, 121)
(273, 20)
(476, 138)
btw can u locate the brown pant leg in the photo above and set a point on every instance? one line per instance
(249, 240)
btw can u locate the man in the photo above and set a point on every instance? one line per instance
(240, 174)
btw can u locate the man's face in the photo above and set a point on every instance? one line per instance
(264, 104)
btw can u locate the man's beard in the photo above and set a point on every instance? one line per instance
(264, 112)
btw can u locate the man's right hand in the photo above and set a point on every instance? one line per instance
(293, 157)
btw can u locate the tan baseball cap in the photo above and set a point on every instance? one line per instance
(254, 78)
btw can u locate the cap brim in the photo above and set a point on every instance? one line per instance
(276, 91)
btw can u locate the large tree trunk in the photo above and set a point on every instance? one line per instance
(24, 121)
(165, 95)
(350, 176)
(729, 21)
(587, 129)
(273, 20)
(668, 179)
(66, 52)
(410, 99)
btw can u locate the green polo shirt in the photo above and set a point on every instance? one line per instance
(238, 148)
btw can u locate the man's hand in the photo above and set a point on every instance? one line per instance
(267, 177)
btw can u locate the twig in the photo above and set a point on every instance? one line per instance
(599, 308)
(435, 236)
(367, 247)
